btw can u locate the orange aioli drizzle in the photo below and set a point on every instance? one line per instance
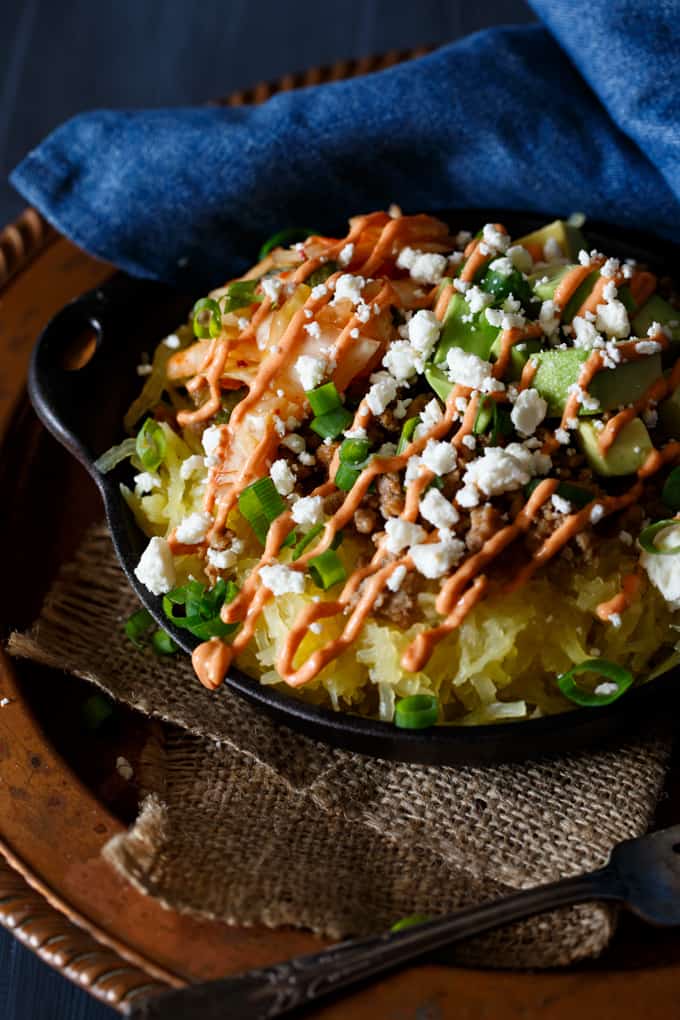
(509, 338)
(213, 658)
(476, 260)
(621, 601)
(659, 389)
(642, 286)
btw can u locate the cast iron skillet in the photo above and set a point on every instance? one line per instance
(84, 409)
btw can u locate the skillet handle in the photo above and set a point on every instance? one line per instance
(83, 370)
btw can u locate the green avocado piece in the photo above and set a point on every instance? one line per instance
(669, 416)
(546, 281)
(518, 359)
(474, 336)
(656, 309)
(625, 456)
(570, 239)
(439, 382)
(581, 294)
(560, 369)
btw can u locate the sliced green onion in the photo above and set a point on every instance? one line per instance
(163, 644)
(574, 494)
(137, 625)
(207, 318)
(240, 294)
(284, 239)
(324, 398)
(321, 274)
(326, 569)
(410, 922)
(354, 451)
(95, 711)
(407, 431)
(260, 504)
(151, 445)
(670, 493)
(202, 607)
(332, 424)
(346, 476)
(109, 460)
(305, 541)
(647, 537)
(602, 667)
(485, 413)
(416, 712)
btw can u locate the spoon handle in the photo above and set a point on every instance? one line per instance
(284, 987)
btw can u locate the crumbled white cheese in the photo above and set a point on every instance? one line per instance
(124, 768)
(549, 317)
(467, 497)
(191, 466)
(563, 506)
(434, 559)
(146, 481)
(585, 334)
(382, 392)
(211, 439)
(156, 568)
(477, 299)
(144, 369)
(282, 477)
(401, 533)
(584, 257)
(528, 412)
(222, 559)
(308, 511)
(346, 255)
(664, 571)
(610, 268)
(625, 537)
(614, 619)
(562, 436)
(467, 369)
(648, 347)
(597, 513)
(423, 266)
(395, 580)
(504, 319)
(496, 240)
(430, 416)
(349, 287)
(282, 580)
(469, 441)
(423, 331)
(271, 286)
(603, 690)
(435, 508)
(402, 361)
(294, 442)
(612, 319)
(503, 266)
(193, 528)
(440, 458)
(501, 470)
(310, 370)
(172, 341)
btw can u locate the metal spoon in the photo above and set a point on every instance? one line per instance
(642, 875)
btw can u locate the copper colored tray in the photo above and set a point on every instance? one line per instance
(61, 798)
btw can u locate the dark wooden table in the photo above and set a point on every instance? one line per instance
(57, 59)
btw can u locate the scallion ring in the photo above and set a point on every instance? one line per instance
(163, 644)
(331, 424)
(648, 536)
(260, 504)
(410, 922)
(137, 626)
(620, 678)
(416, 712)
(327, 570)
(324, 398)
(670, 493)
(284, 239)
(151, 445)
(207, 318)
(407, 431)
(354, 451)
(240, 294)
(346, 476)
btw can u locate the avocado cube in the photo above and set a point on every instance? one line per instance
(656, 309)
(570, 239)
(669, 416)
(439, 381)
(474, 335)
(612, 387)
(625, 456)
(518, 359)
(545, 281)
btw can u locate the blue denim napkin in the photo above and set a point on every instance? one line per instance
(582, 113)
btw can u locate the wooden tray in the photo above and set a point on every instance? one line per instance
(61, 798)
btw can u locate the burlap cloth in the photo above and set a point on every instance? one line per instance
(250, 823)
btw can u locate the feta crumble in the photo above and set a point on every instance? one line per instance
(193, 528)
(308, 511)
(528, 412)
(467, 369)
(382, 392)
(440, 458)
(401, 533)
(434, 559)
(310, 370)
(349, 287)
(282, 477)
(436, 509)
(172, 341)
(396, 578)
(156, 567)
(282, 580)
(346, 255)
(271, 287)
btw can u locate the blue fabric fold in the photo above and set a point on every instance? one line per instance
(579, 114)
